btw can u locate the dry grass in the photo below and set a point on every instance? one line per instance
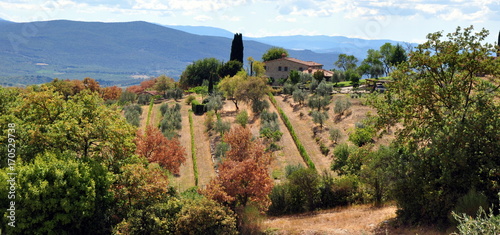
(185, 180)
(358, 219)
(352, 220)
(303, 127)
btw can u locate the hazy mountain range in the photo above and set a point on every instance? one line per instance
(123, 53)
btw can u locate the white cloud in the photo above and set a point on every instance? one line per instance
(282, 18)
(203, 18)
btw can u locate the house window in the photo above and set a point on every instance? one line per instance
(301, 69)
(279, 68)
(286, 68)
(265, 68)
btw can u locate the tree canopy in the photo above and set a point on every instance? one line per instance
(274, 53)
(450, 138)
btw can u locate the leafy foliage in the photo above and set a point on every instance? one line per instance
(153, 146)
(204, 216)
(451, 124)
(56, 193)
(243, 176)
(274, 53)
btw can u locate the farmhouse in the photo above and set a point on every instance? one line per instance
(280, 68)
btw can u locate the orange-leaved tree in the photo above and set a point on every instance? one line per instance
(157, 148)
(243, 176)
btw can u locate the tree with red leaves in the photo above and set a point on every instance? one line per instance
(111, 93)
(157, 148)
(243, 176)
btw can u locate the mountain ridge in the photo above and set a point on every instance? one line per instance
(112, 52)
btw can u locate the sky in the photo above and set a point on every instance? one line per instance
(408, 21)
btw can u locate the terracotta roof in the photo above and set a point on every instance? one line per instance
(326, 73)
(306, 63)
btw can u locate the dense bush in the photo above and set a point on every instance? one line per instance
(198, 109)
(335, 134)
(172, 120)
(341, 105)
(305, 190)
(133, 114)
(242, 118)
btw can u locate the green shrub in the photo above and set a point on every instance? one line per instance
(341, 105)
(198, 109)
(143, 99)
(470, 203)
(483, 224)
(209, 121)
(222, 127)
(190, 99)
(362, 136)
(335, 134)
(193, 148)
(242, 118)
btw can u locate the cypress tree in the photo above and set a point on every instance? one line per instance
(498, 42)
(237, 48)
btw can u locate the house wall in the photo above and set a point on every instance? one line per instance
(281, 68)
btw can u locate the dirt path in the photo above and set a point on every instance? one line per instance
(289, 154)
(352, 220)
(304, 131)
(185, 180)
(203, 156)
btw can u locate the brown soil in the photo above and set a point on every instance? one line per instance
(302, 124)
(352, 220)
(185, 180)
(359, 219)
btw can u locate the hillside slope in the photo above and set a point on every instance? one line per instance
(111, 52)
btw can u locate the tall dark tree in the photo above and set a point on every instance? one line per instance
(498, 42)
(237, 48)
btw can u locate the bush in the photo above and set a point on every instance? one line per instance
(341, 105)
(341, 154)
(204, 216)
(133, 114)
(242, 118)
(259, 105)
(362, 136)
(470, 203)
(172, 120)
(198, 109)
(190, 99)
(221, 126)
(209, 121)
(143, 99)
(335, 134)
(319, 117)
(127, 97)
(487, 224)
(299, 96)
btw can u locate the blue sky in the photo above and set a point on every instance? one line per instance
(408, 21)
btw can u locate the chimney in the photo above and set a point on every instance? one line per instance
(283, 55)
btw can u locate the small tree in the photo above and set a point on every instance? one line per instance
(335, 134)
(341, 105)
(215, 103)
(157, 148)
(299, 96)
(319, 118)
(242, 118)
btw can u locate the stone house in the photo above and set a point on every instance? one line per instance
(280, 68)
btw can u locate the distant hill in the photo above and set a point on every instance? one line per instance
(320, 44)
(113, 53)
(203, 30)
